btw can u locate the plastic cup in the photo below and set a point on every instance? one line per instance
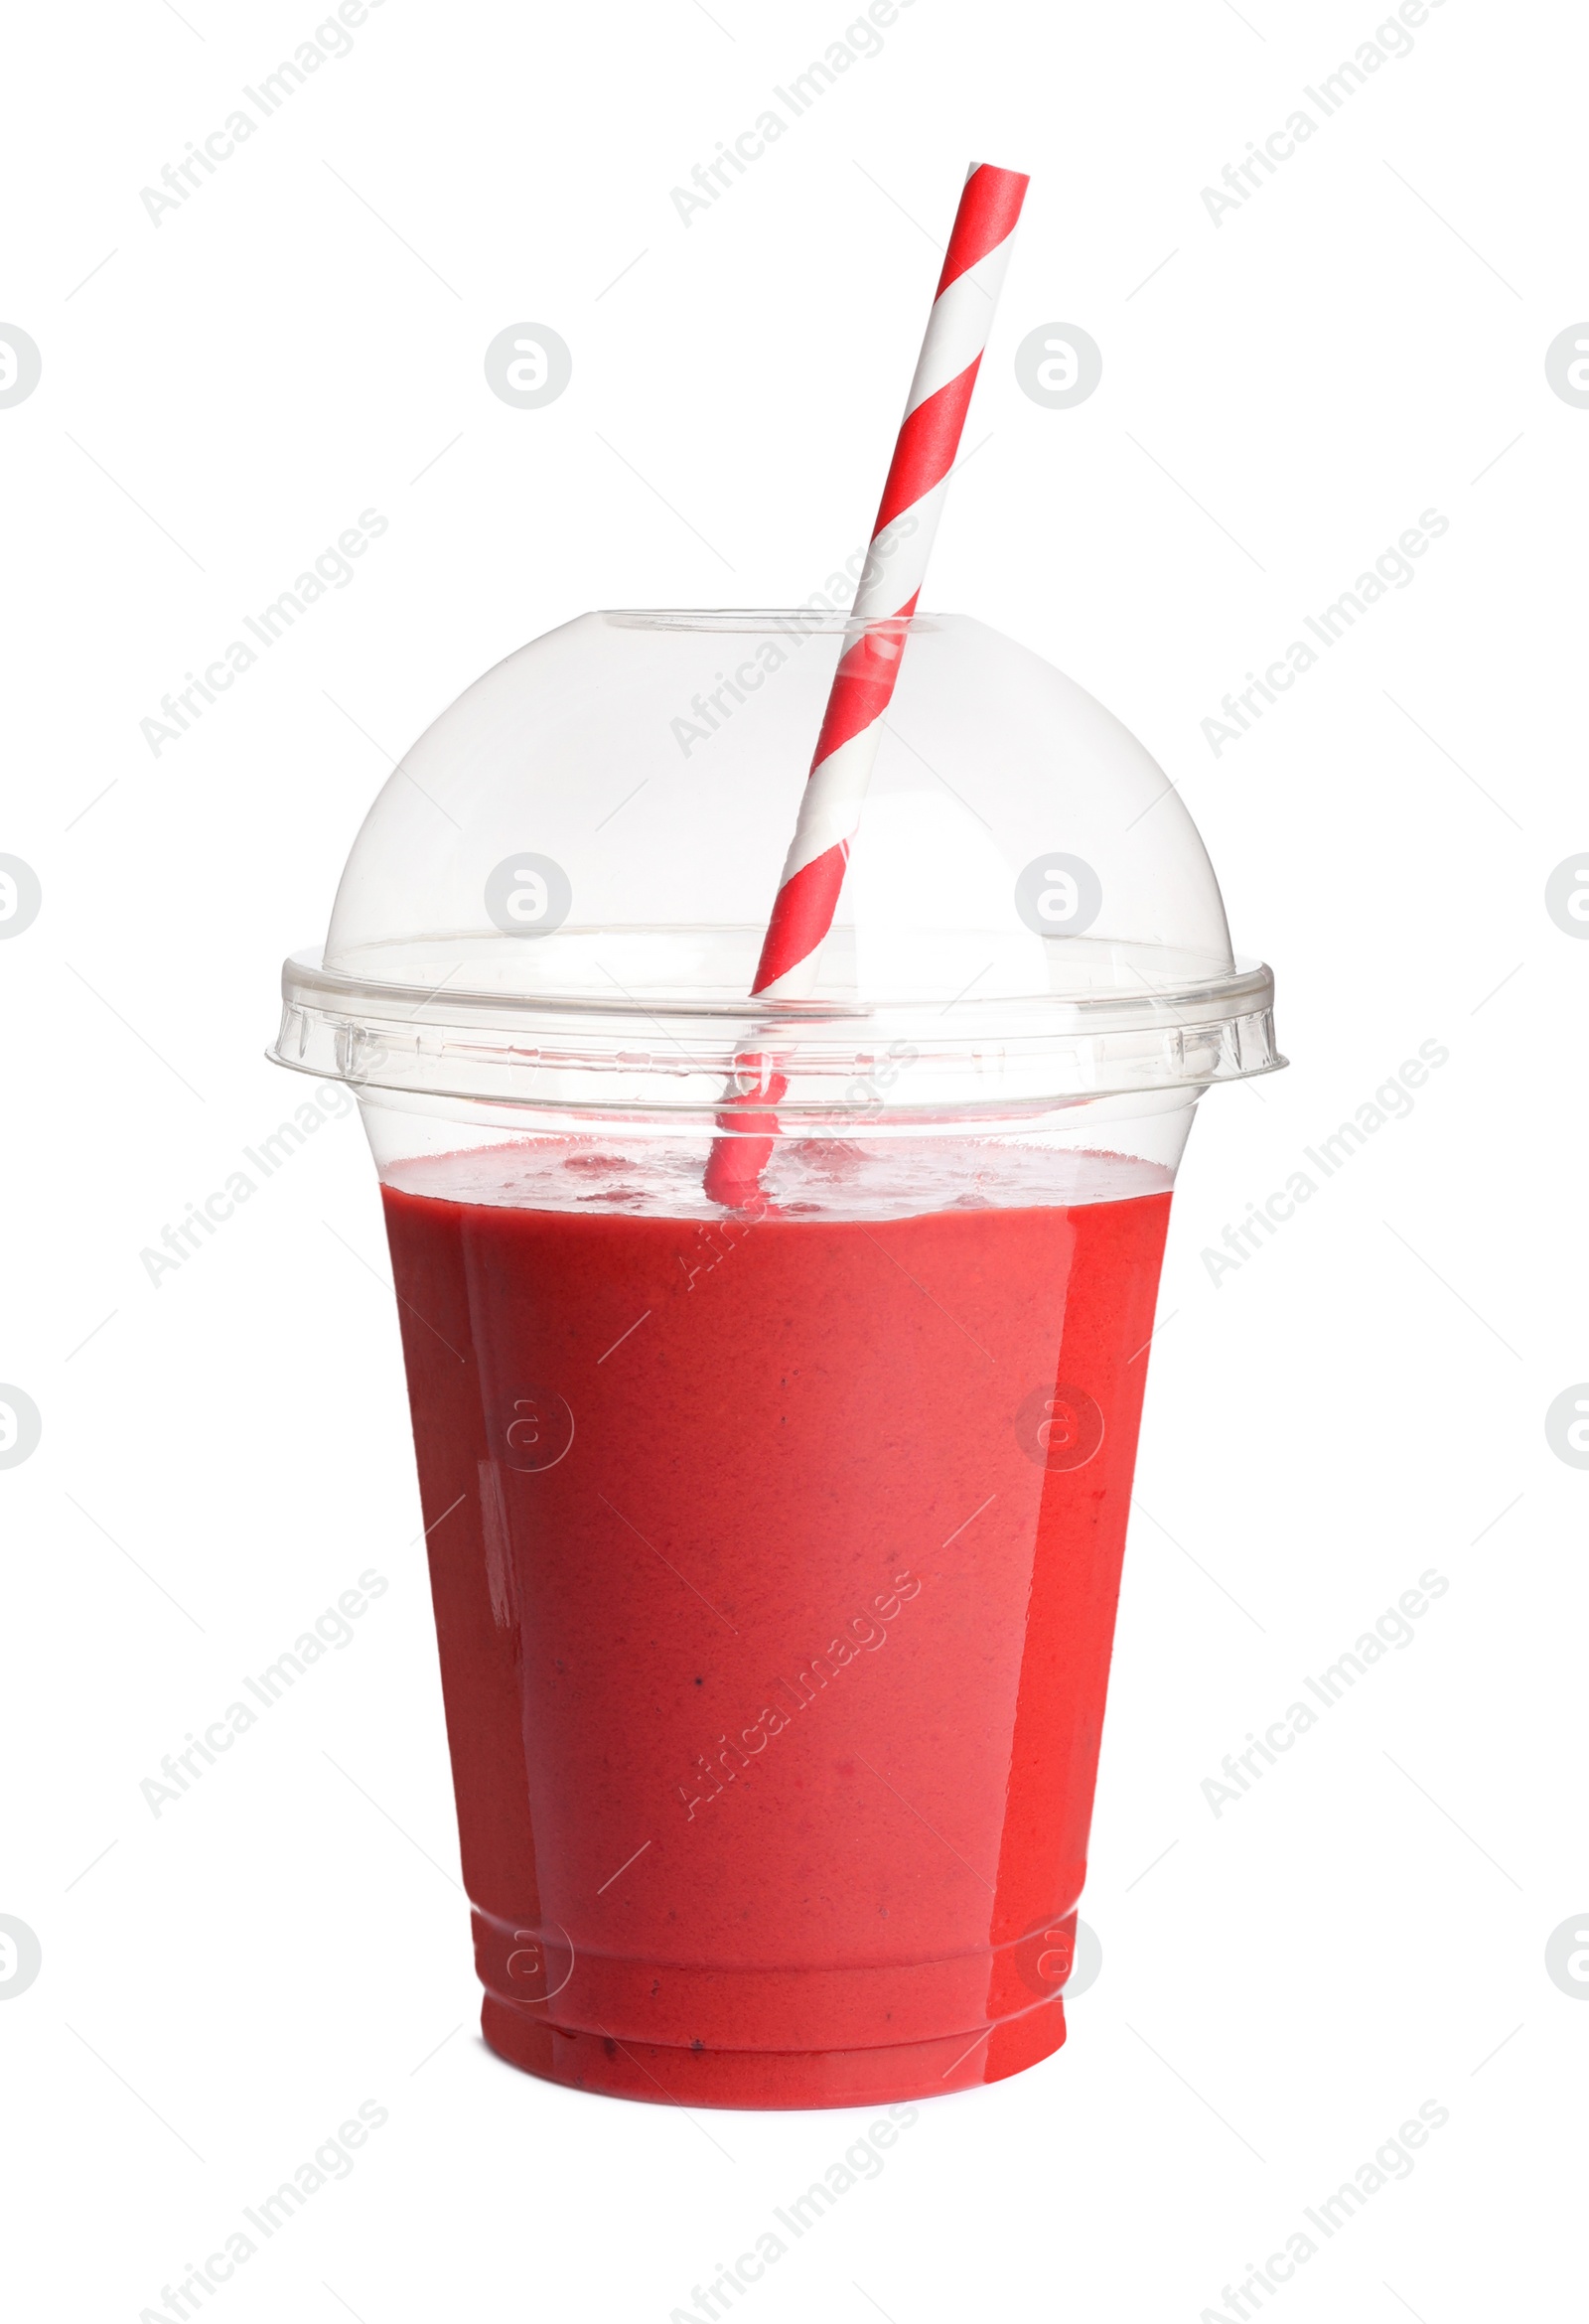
(775, 1550)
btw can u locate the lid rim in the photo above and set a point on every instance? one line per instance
(881, 1065)
(1002, 1110)
(304, 970)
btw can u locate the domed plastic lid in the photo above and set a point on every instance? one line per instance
(558, 899)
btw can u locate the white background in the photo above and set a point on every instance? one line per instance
(221, 1456)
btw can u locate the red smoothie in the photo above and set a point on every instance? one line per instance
(775, 1568)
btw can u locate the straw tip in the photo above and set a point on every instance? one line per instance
(1020, 178)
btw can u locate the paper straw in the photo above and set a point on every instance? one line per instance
(864, 684)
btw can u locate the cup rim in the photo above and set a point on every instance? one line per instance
(627, 1054)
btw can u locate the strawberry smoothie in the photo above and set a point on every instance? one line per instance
(775, 1562)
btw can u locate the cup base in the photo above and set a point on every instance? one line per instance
(768, 2081)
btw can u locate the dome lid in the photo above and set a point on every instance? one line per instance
(559, 895)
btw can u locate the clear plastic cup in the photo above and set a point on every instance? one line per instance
(775, 1550)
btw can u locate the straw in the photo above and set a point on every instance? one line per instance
(868, 669)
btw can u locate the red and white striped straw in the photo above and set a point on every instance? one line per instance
(864, 684)
(896, 564)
